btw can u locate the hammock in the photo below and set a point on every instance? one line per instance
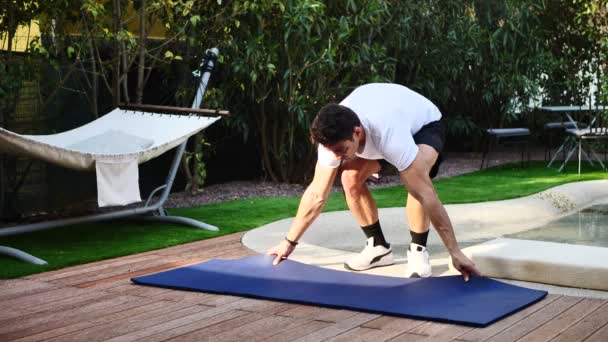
(113, 145)
(117, 136)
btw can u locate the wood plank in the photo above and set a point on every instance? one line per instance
(408, 337)
(565, 320)
(68, 302)
(446, 332)
(356, 334)
(174, 110)
(16, 282)
(215, 316)
(301, 330)
(215, 253)
(586, 327)
(439, 331)
(119, 275)
(139, 290)
(130, 273)
(339, 327)
(208, 244)
(210, 249)
(131, 323)
(23, 287)
(90, 267)
(387, 327)
(482, 334)
(179, 326)
(601, 335)
(201, 325)
(262, 309)
(318, 313)
(301, 311)
(206, 333)
(90, 276)
(31, 302)
(60, 327)
(186, 296)
(259, 330)
(14, 293)
(536, 319)
(30, 320)
(220, 300)
(332, 315)
(83, 268)
(54, 308)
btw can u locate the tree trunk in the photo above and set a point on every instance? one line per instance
(12, 27)
(142, 57)
(94, 89)
(125, 72)
(116, 59)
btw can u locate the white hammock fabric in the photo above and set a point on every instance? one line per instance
(113, 145)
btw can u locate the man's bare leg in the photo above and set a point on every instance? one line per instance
(418, 263)
(377, 251)
(417, 217)
(360, 201)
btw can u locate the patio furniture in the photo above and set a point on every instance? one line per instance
(576, 135)
(552, 128)
(114, 145)
(494, 136)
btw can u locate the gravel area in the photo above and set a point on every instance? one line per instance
(454, 164)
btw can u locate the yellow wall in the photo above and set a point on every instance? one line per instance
(26, 33)
(23, 37)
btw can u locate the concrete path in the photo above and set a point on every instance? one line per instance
(335, 236)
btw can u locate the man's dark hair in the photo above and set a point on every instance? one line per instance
(332, 124)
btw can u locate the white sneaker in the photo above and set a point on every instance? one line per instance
(371, 256)
(418, 265)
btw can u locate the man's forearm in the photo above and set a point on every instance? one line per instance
(311, 205)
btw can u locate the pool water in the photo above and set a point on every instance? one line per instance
(588, 227)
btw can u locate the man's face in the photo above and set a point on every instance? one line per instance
(346, 149)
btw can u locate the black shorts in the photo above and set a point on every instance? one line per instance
(432, 134)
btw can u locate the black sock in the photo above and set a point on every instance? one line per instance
(419, 238)
(374, 230)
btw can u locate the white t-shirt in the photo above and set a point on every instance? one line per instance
(390, 115)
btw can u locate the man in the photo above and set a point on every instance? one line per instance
(379, 121)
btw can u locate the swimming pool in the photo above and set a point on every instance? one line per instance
(587, 227)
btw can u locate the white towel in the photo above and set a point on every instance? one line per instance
(117, 181)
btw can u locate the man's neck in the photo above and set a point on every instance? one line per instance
(362, 140)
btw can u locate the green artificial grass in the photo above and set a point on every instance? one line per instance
(85, 243)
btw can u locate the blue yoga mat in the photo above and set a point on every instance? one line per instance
(479, 302)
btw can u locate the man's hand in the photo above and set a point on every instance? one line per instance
(463, 264)
(282, 250)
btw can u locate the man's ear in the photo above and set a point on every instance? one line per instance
(357, 131)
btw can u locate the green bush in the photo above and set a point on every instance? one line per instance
(480, 61)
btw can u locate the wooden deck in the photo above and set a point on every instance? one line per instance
(97, 302)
